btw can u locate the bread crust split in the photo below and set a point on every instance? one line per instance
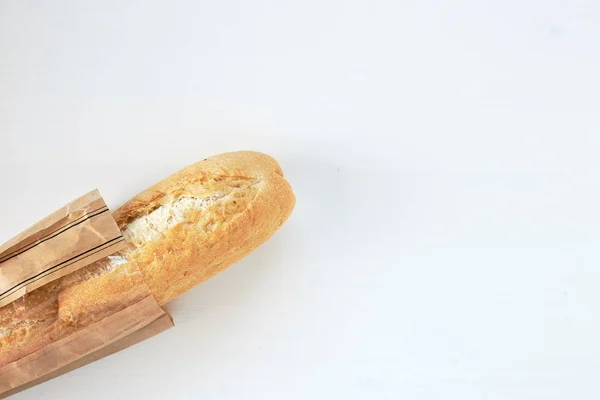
(180, 232)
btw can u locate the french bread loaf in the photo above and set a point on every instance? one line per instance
(180, 232)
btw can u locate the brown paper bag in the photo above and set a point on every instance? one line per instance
(71, 238)
(123, 329)
(77, 235)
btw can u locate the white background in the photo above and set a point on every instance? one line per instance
(445, 244)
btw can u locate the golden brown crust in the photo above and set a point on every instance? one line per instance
(259, 200)
(249, 201)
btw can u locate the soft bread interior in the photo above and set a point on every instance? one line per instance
(153, 226)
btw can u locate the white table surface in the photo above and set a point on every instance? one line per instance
(445, 157)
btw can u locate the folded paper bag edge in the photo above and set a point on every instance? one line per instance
(78, 234)
(94, 339)
(48, 222)
(159, 325)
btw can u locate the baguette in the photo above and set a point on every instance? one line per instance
(180, 232)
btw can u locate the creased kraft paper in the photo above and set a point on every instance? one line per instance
(77, 235)
(114, 333)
